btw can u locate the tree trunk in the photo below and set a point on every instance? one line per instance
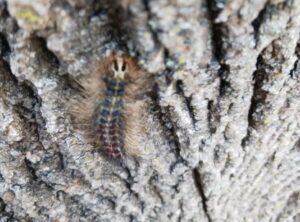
(224, 119)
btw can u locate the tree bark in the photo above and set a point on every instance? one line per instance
(224, 119)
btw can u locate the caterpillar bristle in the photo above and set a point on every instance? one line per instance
(110, 107)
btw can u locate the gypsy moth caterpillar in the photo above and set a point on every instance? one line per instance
(112, 106)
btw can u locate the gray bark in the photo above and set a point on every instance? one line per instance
(225, 122)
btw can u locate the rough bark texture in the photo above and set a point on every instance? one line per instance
(225, 121)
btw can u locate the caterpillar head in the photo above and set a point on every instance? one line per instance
(119, 68)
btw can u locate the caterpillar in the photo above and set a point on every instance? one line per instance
(112, 106)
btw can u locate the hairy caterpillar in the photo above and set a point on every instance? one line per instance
(111, 109)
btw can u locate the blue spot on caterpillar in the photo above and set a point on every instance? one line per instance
(111, 111)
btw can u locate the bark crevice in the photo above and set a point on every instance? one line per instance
(199, 185)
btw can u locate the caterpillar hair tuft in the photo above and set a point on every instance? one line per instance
(112, 106)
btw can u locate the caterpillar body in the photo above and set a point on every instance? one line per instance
(112, 108)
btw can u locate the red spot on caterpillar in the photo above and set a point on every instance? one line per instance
(111, 109)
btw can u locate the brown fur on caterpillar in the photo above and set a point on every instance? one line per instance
(112, 106)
